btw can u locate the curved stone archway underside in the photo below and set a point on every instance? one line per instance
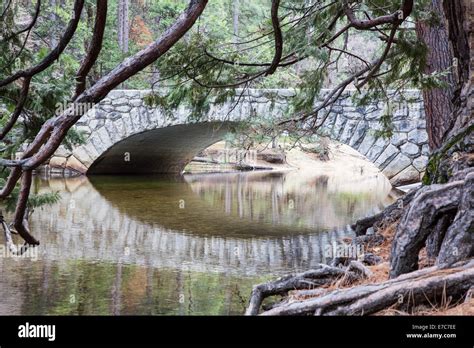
(157, 151)
(122, 125)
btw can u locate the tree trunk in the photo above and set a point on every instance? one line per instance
(123, 25)
(449, 170)
(235, 19)
(54, 22)
(438, 101)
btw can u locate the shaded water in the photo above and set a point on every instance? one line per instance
(189, 245)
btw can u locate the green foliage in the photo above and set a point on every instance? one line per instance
(196, 71)
(34, 200)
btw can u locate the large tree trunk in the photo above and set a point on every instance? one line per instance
(449, 170)
(438, 101)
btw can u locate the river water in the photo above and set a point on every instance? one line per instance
(190, 245)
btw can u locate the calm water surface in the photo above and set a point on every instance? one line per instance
(189, 245)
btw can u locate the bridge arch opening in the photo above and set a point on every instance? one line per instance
(158, 151)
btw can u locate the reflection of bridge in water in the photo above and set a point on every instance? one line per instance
(108, 221)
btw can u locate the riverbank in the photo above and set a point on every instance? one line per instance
(339, 159)
(362, 285)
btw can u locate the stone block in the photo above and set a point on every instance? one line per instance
(396, 165)
(420, 163)
(399, 138)
(123, 109)
(120, 101)
(359, 134)
(57, 162)
(410, 149)
(74, 164)
(83, 156)
(407, 176)
(62, 151)
(376, 149)
(418, 136)
(366, 143)
(386, 156)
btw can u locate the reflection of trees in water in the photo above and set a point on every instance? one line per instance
(83, 288)
(273, 198)
(103, 224)
(165, 263)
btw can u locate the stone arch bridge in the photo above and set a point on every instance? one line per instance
(124, 136)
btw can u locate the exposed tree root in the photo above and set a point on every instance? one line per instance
(417, 223)
(391, 213)
(425, 215)
(458, 243)
(321, 276)
(427, 285)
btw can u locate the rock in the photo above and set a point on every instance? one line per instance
(93, 124)
(272, 157)
(399, 138)
(359, 135)
(107, 108)
(359, 268)
(348, 131)
(136, 102)
(119, 101)
(286, 93)
(123, 109)
(372, 239)
(340, 261)
(114, 116)
(366, 144)
(404, 125)
(83, 156)
(62, 151)
(425, 150)
(104, 136)
(376, 149)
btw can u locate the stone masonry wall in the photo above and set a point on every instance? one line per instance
(123, 113)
